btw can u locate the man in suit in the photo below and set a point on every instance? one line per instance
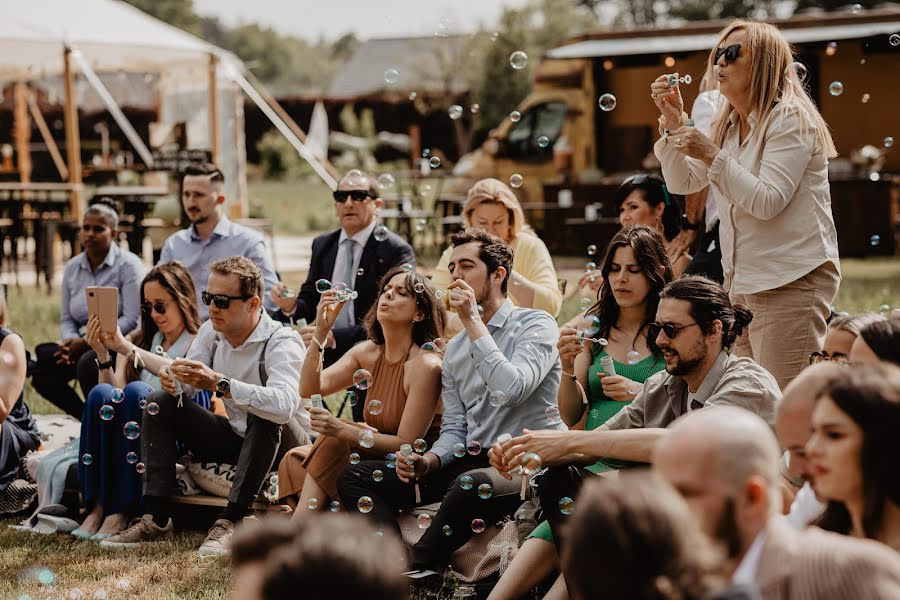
(358, 254)
(724, 462)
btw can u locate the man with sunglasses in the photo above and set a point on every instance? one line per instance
(212, 235)
(695, 325)
(253, 363)
(352, 255)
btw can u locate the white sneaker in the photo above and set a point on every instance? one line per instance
(218, 540)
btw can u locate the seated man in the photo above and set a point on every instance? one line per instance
(696, 323)
(351, 255)
(500, 375)
(104, 264)
(212, 235)
(724, 462)
(253, 363)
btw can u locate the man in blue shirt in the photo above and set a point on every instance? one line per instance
(211, 235)
(500, 375)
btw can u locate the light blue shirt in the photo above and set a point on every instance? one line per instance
(227, 239)
(120, 269)
(176, 350)
(519, 360)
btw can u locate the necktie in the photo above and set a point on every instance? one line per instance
(344, 272)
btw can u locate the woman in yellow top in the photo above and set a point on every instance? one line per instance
(493, 207)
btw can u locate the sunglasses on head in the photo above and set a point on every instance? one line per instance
(341, 196)
(731, 53)
(159, 307)
(642, 178)
(220, 300)
(817, 357)
(670, 330)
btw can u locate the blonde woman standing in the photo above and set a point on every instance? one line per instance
(767, 160)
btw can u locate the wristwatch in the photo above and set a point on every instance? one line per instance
(104, 365)
(685, 224)
(223, 386)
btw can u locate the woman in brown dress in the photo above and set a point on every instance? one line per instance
(406, 315)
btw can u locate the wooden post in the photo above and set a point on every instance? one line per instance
(22, 132)
(73, 137)
(213, 109)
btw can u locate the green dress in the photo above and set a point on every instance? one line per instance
(601, 409)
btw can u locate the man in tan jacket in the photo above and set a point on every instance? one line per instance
(724, 462)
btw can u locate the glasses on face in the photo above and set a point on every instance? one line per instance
(670, 330)
(731, 53)
(340, 196)
(220, 300)
(159, 306)
(817, 357)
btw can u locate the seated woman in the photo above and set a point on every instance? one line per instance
(18, 431)
(110, 464)
(878, 341)
(402, 403)
(839, 337)
(634, 271)
(853, 453)
(492, 206)
(102, 263)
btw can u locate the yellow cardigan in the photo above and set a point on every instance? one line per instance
(531, 259)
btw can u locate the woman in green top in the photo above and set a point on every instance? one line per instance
(635, 270)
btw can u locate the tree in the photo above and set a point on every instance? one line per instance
(179, 13)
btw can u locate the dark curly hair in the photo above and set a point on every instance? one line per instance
(494, 252)
(709, 302)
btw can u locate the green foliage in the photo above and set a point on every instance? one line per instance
(179, 13)
(279, 159)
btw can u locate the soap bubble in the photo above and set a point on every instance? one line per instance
(474, 448)
(428, 346)
(354, 458)
(633, 357)
(836, 88)
(591, 266)
(607, 102)
(466, 482)
(531, 463)
(87, 459)
(386, 181)
(335, 506)
(477, 525)
(459, 449)
(362, 379)
(131, 458)
(475, 108)
(590, 324)
(438, 294)
(856, 9)
(107, 412)
(586, 303)
(439, 344)
(447, 530)
(323, 285)
(423, 520)
(480, 310)
(131, 430)
(313, 504)
(884, 309)
(455, 111)
(485, 491)
(865, 98)
(380, 234)
(367, 439)
(140, 467)
(375, 407)
(875, 240)
(515, 116)
(420, 446)
(365, 505)
(408, 267)
(498, 398)
(797, 71)
(142, 404)
(75, 593)
(421, 224)
(894, 40)
(552, 413)
(518, 60)
(516, 180)
(543, 141)
(390, 461)
(99, 595)
(377, 475)
(831, 48)
(352, 398)
(592, 250)
(434, 162)
(117, 395)
(419, 287)
(888, 142)
(566, 505)
(123, 584)
(391, 76)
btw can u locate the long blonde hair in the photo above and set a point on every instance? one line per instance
(772, 80)
(494, 191)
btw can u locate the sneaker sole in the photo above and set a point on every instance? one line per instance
(210, 552)
(119, 545)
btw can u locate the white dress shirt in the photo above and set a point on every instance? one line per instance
(703, 110)
(745, 574)
(805, 508)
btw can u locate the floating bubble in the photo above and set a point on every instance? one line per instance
(590, 324)
(515, 116)
(123, 584)
(87, 459)
(352, 398)
(335, 506)
(419, 287)
(362, 379)
(75, 593)
(438, 294)
(428, 346)
(386, 181)
(552, 413)
(875, 240)
(443, 28)
(439, 344)
(633, 357)
(117, 395)
(592, 250)
(894, 40)
(516, 180)
(313, 504)
(323, 285)
(503, 438)
(531, 463)
(367, 439)
(607, 102)
(865, 98)
(480, 310)
(888, 141)
(447, 530)
(377, 475)
(365, 504)
(543, 141)
(131, 458)
(836, 88)
(142, 404)
(140, 467)
(408, 267)
(586, 302)
(831, 48)
(354, 458)
(518, 60)
(475, 108)
(375, 407)
(455, 111)
(99, 595)
(798, 72)
(884, 309)
(856, 9)
(459, 449)
(390, 461)
(421, 224)
(131, 430)
(420, 445)
(107, 412)
(423, 520)
(566, 505)
(380, 234)
(391, 76)
(466, 482)
(434, 162)
(477, 525)
(498, 398)
(591, 266)
(46, 577)
(474, 448)
(485, 491)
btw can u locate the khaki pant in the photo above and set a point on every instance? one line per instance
(789, 322)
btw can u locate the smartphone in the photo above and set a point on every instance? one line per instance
(104, 302)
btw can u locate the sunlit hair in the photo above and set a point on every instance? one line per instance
(359, 180)
(854, 323)
(248, 272)
(434, 318)
(771, 82)
(494, 191)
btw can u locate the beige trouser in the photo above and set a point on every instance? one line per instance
(789, 322)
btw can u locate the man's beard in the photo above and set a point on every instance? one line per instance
(200, 219)
(686, 365)
(727, 531)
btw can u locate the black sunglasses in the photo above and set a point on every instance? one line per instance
(731, 53)
(817, 357)
(670, 330)
(341, 196)
(220, 300)
(159, 307)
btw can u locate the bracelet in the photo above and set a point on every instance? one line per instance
(567, 374)
(584, 399)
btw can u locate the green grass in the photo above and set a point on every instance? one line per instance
(295, 207)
